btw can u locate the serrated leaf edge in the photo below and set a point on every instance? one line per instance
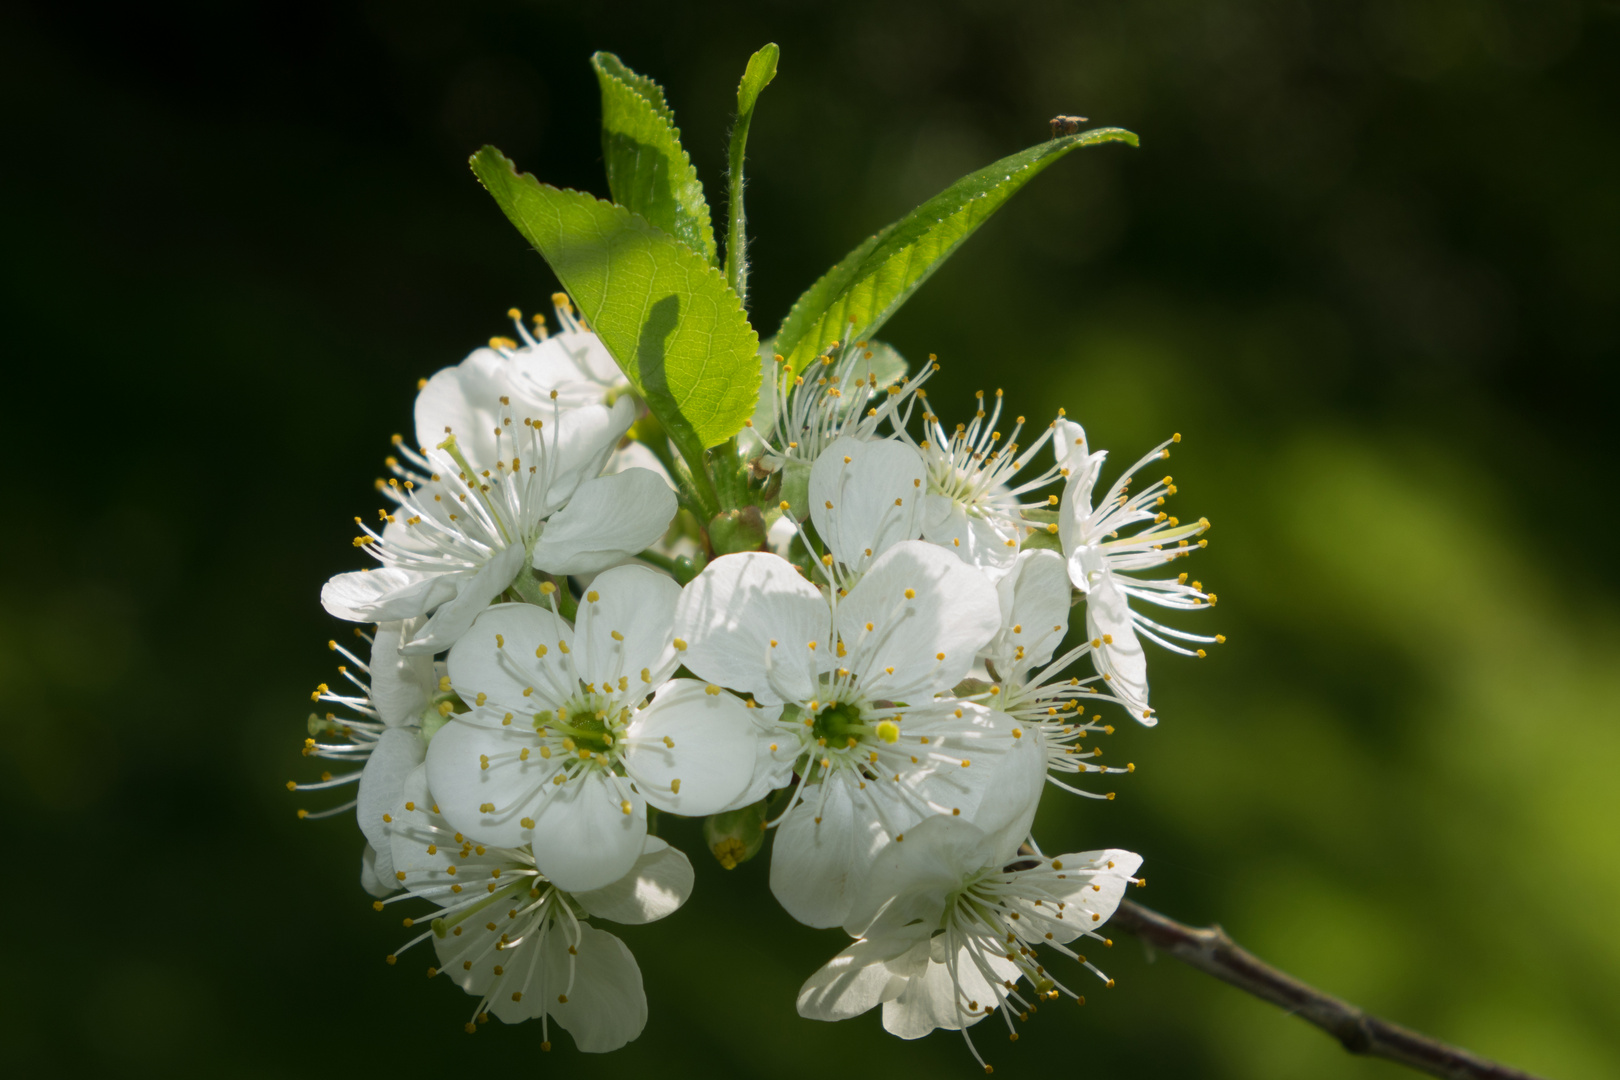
(654, 95)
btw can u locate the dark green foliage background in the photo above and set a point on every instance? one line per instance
(1367, 261)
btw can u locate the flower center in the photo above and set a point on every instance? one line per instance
(838, 723)
(591, 725)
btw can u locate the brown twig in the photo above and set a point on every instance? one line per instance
(1211, 951)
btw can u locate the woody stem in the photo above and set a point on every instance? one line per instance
(1211, 951)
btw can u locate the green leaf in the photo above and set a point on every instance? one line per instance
(666, 316)
(648, 171)
(856, 297)
(756, 77)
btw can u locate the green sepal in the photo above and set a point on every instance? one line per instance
(737, 530)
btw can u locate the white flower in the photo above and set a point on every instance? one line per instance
(469, 516)
(573, 363)
(384, 738)
(563, 750)
(949, 923)
(865, 497)
(573, 368)
(975, 503)
(510, 937)
(850, 394)
(1099, 560)
(877, 748)
(1029, 685)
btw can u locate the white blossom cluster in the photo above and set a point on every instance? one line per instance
(557, 652)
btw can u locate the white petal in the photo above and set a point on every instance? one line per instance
(636, 455)
(578, 442)
(378, 880)
(499, 658)
(385, 594)
(574, 363)
(975, 540)
(1069, 445)
(952, 610)
(518, 789)
(421, 849)
(382, 785)
(984, 738)
(639, 604)
(608, 520)
(1034, 600)
(931, 999)
(402, 687)
(656, 886)
(911, 879)
(1121, 659)
(712, 752)
(822, 854)
(465, 401)
(773, 769)
(854, 981)
(1089, 886)
(1014, 782)
(582, 838)
(473, 594)
(732, 612)
(866, 496)
(607, 1006)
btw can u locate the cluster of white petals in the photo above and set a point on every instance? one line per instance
(887, 686)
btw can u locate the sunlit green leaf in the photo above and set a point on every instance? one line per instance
(648, 171)
(856, 297)
(666, 316)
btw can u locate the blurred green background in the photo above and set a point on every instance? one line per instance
(1366, 260)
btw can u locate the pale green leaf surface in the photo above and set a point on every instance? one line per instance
(857, 296)
(666, 316)
(648, 170)
(758, 75)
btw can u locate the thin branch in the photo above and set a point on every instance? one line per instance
(1211, 951)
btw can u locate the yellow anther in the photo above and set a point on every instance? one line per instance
(680, 645)
(911, 594)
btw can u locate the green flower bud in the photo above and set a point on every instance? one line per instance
(737, 530)
(736, 835)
